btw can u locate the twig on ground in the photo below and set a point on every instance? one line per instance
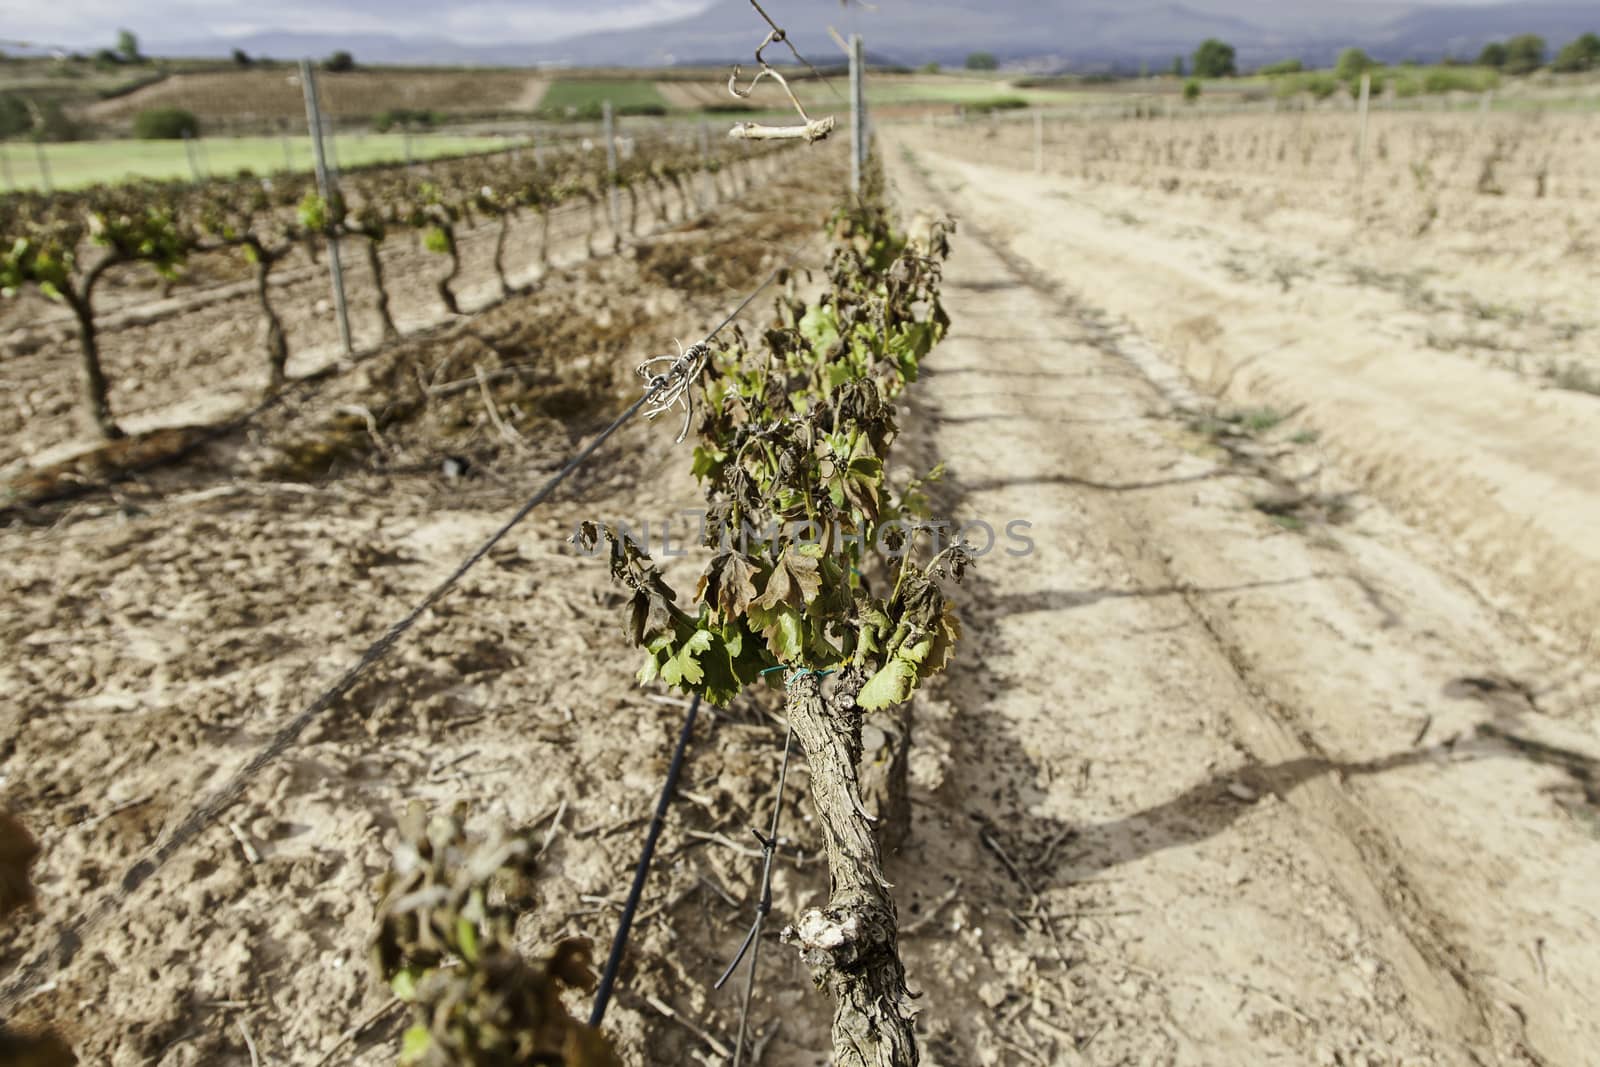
(554, 828)
(933, 911)
(251, 855)
(667, 1010)
(358, 1029)
(726, 842)
(249, 1044)
(506, 432)
(759, 1048)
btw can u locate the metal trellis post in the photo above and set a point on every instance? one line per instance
(44, 167)
(308, 81)
(858, 117)
(610, 133)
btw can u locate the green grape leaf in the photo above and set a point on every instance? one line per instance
(415, 1044)
(820, 327)
(891, 685)
(467, 939)
(404, 984)
(682, 669)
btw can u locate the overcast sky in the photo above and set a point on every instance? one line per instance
(80, 23)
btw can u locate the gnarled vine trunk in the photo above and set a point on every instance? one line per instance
(683, 197)
(544, 237)
(659, 205)
(851, 944)
(391, 332)
(446, 294)
(500, 253)
(594, 223)
(96, 390)
(277, 343)
(633, 209)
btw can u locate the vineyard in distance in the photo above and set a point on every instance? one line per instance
(847, 563)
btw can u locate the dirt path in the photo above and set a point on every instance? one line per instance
(1288, 790)
(1497, 461)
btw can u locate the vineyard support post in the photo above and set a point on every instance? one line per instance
(288, 150)
(1038, 142)
(708, 181)
(405, 140)
(609, 125)
(330, 140)
(308, 82)
(5, 167)
(1486, 102)
(44, 167)
(194, 161)
(1361, 139)
(858, 117)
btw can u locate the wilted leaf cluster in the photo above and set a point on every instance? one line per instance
(795, 429)
(444, 944)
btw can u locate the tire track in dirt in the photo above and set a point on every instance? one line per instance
(1331, 820)
(1497, 465)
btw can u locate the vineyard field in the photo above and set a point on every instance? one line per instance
(1205, 673)
(82, 163)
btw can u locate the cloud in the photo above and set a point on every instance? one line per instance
(94, 23)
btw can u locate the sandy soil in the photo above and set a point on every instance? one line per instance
(1215, 778)
(1344, 799)
(1459, 381)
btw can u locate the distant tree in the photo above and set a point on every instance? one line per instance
(930, 68)
(165, 124)
(1191, 90)
(1287, 66)
(1353, 63)
(1582, 54)
(340, 61)
(105, 57)
(51, 123)
(14, 116)
(1214, 59)
(1177, 66)
(1493, 55)
(1524, 53)
(128, 47)
(982, 61)
(241, 58)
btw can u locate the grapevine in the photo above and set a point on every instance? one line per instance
(819, 567)
(63, 244)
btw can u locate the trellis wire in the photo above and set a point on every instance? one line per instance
(619, 941)
(752, 940)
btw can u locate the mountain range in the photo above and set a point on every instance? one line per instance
(1039, 34)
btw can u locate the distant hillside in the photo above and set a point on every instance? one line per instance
(1097, 34)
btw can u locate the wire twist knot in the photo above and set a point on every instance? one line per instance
(669, 388)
